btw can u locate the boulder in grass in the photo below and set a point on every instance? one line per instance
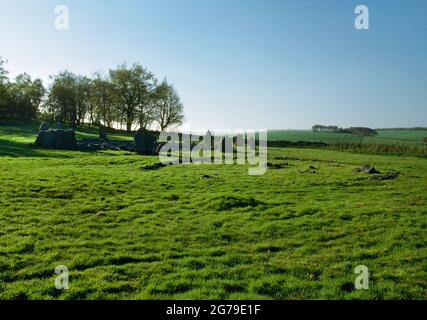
(59, 126)
(391, 175)
(46, 139)
(144, 142)
(67, 139)
(368, 169)
(98, 144)
(56, 139)
(44, 126)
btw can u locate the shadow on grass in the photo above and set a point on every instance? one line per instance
(20, 149)
(16, 138)
(27, 131)
(11, 131)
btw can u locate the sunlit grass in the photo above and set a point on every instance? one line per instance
(208, 231)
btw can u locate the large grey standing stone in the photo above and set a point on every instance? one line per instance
(59, 126)
(45, 139)
(44, 126)
(208, 136)
(145, 142)
(208, 140)
(67, 139)
(225, 145)
(57, 139)
(102, 133)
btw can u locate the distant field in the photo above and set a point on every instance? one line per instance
(26, 133)
(411, 137)
(208, 231)
(403, 135)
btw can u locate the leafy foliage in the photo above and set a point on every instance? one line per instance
(127, 95)
(354, 130)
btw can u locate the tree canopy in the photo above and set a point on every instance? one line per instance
(168, 107)
(363, 131)
(129, 96)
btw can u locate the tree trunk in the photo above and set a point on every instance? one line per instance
(128, 126)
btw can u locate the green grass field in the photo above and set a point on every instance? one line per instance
(208, 231)
(405, 137)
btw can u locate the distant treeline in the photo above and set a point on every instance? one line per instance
(125, 96)
(354, 130)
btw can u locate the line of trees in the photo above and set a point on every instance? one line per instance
(364, 131)
(125, 96)
(321, 128)
(20, 99)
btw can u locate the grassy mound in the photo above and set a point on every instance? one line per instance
(125, 233)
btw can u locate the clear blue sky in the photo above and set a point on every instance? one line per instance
(242, 63)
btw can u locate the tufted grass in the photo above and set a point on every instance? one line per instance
(208, 231)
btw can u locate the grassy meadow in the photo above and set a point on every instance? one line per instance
(208, 231)
(396, 136)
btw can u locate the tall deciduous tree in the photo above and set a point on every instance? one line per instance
(126, 95)
(131, 89)
(3, 89)
(62, 97)
(169, 110)
(102, 107)
(69, 97)
(82, 98)
(25, 97)
(3, 71)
